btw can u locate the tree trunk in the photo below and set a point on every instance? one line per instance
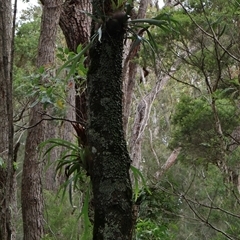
(76, 28)
(74, 23)
(110, 170)
(130, 71)
(7, 172)
(32, 199)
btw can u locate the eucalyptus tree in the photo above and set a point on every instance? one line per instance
(214, 74)
(7, 171)
(31, 194)
(75, 24)
(206, 119)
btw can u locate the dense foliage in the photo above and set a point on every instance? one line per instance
(194, 126)
(197, 110)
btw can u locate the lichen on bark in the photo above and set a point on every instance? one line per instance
(111, 162)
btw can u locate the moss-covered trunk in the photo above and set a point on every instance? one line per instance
(110, 168)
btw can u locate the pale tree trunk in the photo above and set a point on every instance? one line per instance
(140, 122)
(130, 70)
(143, 112)
(32, 199)
(144, 106)
(168, 164)
(7, 172)
(145, 103)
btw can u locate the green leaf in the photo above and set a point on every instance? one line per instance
(150, 45)
(223, 30)
(73, 61)
(86, 221)
(99, 34)
(60, 49)
(137, 174)
(66, 50)
(1, 162)
(114, 5)
(136, 43)
(41, 70)
(152, 42)
(70, 193)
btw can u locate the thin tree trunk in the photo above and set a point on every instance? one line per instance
(32, 199)
(143, 112)
(7, 172)
(168, 164)
(130, 71)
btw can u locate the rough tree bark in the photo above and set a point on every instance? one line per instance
(110, 168)
(7, 172)
(32, 199)
(75, 25)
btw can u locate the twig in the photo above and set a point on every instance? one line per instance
(47, 119)
(213, 35)
(205, 221)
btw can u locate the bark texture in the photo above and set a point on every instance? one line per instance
(75, 25)
(32, 199)
(110, 170)
(7, 172)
